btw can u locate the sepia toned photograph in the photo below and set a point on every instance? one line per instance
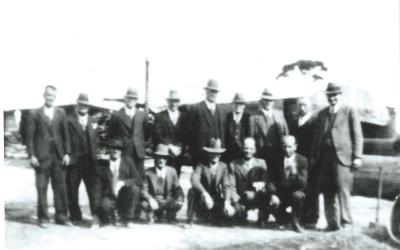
(200, 124)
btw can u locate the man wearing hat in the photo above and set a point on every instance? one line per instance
(131, 126)
(206, 121)
(117, 187)
(211, 184)
(161, 190)
(169, 129)
(83, 140)
(336, 151)
(268, 127)
(237, 127)
(49, 148)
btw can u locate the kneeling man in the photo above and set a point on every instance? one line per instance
(292, 183)
(161, 189)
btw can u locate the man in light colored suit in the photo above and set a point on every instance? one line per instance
(337, 151)
(268, 127)
(161, 189)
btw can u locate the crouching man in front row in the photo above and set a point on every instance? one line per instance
(161, 190)
(209, 180)
(117, 187)
(254, 193)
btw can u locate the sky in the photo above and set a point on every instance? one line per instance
(100, 47)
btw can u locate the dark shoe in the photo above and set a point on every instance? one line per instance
(332, 229)
(43, 223)
(311, 226)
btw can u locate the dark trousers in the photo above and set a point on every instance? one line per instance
(294, 199)
(260, 200)
(52, 169)
(176, 162)
(125, 204)
(169, 207)
(83, 170)
(311, 204)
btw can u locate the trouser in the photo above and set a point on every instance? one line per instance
(139, 164)
(125, 204)
(260, 200)
(169, 207)
(83, 170)
(52, 169)
(176, 162)
(311, 204)
(294, 199)
(197, 206)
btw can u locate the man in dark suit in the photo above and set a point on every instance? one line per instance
(117, 187)
(206, 121)
(169, 129)
(304, 130)
(48, 146)
(252, 188)
(292, 184)
(131, 126)
(161, 189)
(237, 128)
(83, 140)
(268, 127)
(336, 151)
(210, 181)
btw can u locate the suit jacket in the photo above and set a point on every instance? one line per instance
(202, 129)
(233, 141)
(268, 133)
(104, 177)
(165, 132)
(244, 179)
(346, 135)
(304, 135)
(77, 134)
(172, 189)
(297, 182)
(40, 131)
(202, 180)
(133, 132)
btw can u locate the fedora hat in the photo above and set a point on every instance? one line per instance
(162, 150)
(115, 144)
(333, 88)
(239, 98)
(173, 95)
(214, 146)
(131, 93)
(267, 95)
(212, 85)
(83, 99)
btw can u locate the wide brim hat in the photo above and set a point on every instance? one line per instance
(214, 146)
(239, 98)
(333, 89)
(212, 85)
(173, 95)
(131, 93)
(267, 95)
(162, 150)
(83, 99)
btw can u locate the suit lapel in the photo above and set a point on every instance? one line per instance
(45, 118)
(125, 118)
(262, 122)
(340, 114)
(168, 121)
(206, 113)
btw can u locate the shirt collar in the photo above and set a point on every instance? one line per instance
(161, 172)
(115, 163)
(210, 105)
(267, 113)
(291, 158)
(173, 113)
(129, 111)
(303, 119)
(335, 108)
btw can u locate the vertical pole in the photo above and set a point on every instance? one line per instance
(146, 104)
(378, 205)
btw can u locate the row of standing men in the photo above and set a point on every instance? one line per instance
(262, 173)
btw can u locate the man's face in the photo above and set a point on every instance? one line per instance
(304, 106)
(173, 105)
(213, 158)
(130, 102)
(289, 147)
(83, 109)
(160, 161)
(211, 95)
(333, 99)
(267, 104)
(249, 149)
(49, 97)
(238, 108)
(115, 153)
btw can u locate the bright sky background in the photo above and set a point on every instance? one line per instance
(100, 47)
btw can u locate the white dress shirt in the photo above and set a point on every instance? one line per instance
(83, 119)
(211, 106)
(49, 112)
(290, 165)
(237, 117)
(249, 164)
(130, 112)
(173, 116)
(161, 172)
(267, 113)
(303, 119)
(114, 166)
(213, 169)
(334, 109)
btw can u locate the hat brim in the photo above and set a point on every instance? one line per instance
(173, 99)
(83, 102)
(239, 102)
(213, 150)
(268, 97)
(131, 97)
(333, 92)
(215, 89)
(161, 155)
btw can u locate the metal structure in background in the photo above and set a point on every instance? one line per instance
(146, 102)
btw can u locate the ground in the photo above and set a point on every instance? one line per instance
(22, 232)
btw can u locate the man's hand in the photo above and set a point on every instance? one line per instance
(34, 162)
(66, 160)
(153, 204)
(356, 164)
(118, 186)
(274, 201)
(258, 185)
(208, 200)
(229, 209)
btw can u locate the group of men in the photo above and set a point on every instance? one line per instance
(245, 165)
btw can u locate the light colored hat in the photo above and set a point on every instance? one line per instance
(83, 99)
(239, 98)
(173, 95)
(212, 85)
(214, 146)
(162, 150)
(267, 95)
(131, 93)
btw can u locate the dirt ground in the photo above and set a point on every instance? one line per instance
(21, 232)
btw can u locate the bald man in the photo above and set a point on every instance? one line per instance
(292, 183)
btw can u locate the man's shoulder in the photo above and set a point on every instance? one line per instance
(170, 170)
(259, 161)
(301, 159)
